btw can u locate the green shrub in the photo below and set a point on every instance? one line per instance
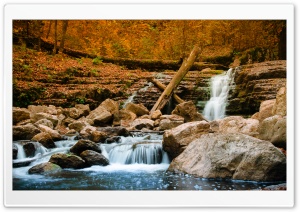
(97, 61)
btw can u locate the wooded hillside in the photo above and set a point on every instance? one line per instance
(221, 40)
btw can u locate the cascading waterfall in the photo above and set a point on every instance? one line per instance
(220, 86)
(144, 89)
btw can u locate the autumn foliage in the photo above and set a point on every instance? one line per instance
(162, 39)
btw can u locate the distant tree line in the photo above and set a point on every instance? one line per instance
(162, 39)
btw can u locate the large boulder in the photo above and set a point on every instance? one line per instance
(51, 109)
(156, 115)
(265, 109)
(115, 131)
(20, 114)
(38, 116)
(137, 109)
(279, 107)
(273, 129)
(53, 133)
(188, 111)
(177, 139)
(100, 116)
(44, 122)
(166, 124)
(142, 123)
(78, 111)
(44, 139)
(45, 168)
(231, 155)
(237, 124)
(126, 117)
(111, 106)
(83, 145)
(29, 149)
(94, 158)
(87, 131)
(78, 125)
(67, 161)
(98, 136)
(24, 132)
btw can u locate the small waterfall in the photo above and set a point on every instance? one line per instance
(21, 152)
(220, 86)
(134, 94)
(143, 153)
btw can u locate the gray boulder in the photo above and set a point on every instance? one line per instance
(235, 156)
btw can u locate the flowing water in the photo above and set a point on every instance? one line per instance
(215, 108)
(136, 163)
(134, 94)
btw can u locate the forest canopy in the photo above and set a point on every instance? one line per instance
(161, 39)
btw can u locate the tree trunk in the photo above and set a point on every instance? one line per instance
(64, 30)
(55, 38)
(186, 65)
(49, 29)
(162, 87)
(40, 28)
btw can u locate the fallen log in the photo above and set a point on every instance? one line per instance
(162, 87)
(168, 92)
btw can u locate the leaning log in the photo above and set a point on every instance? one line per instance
(162, 87)
(168, 92)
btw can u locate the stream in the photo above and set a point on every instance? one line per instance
(136, 163)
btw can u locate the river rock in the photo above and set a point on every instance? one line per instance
(67, 121)
(137, 109)
(67, 161)
(156, 115)
(111, 106)
(177, 139)
(278, 187)
(100, 116)
(237, 124)
(87, 131)
(115, 131)
(78, 125)
(166, 124)
(38, 116)
(73, 113)
(235, 156)
(98, 136)
(53, 133)
(44, 139)
(188, 111)
(126, 117)
(24, 132)
(83, 145)
(29, 149)
(114, 139)
(265, 109)
(273, 129)
(94, 158)
(142, 123)
(51, 109)
(44, 168)
(44, 122)
(279, 107)
(20, 114)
